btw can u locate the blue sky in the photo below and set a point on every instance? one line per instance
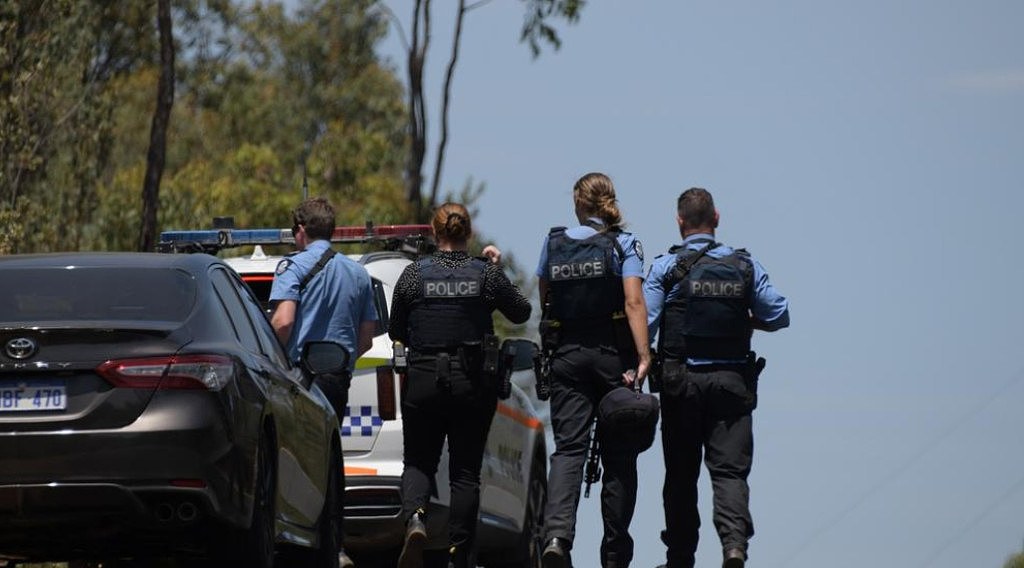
(871, 155)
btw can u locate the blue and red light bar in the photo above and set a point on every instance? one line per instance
(225, 238)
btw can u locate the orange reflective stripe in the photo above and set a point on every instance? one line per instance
(525, 419)
(360, 471)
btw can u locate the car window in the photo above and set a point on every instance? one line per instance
(236, 311)
(96, 293)
(381, 300)
(260, 285)
(264, 331)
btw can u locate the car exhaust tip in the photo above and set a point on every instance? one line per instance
(164, 512)
(187, 512)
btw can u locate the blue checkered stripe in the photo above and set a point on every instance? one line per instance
(365, 423)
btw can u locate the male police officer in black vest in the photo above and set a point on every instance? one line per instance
(704, 300)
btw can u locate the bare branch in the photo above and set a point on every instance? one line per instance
(443, 143)
(477, 4)
(398, 25)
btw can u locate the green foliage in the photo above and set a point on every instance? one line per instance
(54, 120)
(536, 27)
(290, 92)
(264, 96)
(1015, 561)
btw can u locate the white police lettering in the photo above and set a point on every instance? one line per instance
(578, 270)
(451, 288)
(716, 289)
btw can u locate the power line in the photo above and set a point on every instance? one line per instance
(902, 468)
(973, 522)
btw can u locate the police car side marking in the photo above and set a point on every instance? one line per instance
(520, 417)
(365, 423)
(578, 270)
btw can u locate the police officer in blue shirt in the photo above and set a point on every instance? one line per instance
(704, 299)
(596, 334)
(319, 295)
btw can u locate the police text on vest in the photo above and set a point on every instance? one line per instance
(451, 288)
(577, 270)
(716, 289)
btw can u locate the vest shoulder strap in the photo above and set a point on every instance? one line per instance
(687, 258)
(320, 264)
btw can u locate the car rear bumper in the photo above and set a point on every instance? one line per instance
(160, 476)
(373, 512)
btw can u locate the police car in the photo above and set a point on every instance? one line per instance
(514, 473)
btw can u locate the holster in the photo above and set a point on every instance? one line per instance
(506, 362)
(654, 373)
(542, 374)
(444, 372)
(751, 374)
(673, 376)
(549, 335)
(399, 357)
(492, 356)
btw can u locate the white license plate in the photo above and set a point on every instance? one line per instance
(29, 396)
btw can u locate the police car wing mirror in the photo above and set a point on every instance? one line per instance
(324, 357)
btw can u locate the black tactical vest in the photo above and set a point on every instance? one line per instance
(584, 278)
(709, 317)
(450, 311)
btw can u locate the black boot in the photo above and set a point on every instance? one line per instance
(734, 558)
(415, 540)
(556, 554)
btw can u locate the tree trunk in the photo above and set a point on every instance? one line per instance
(158, 132)
(445, 103)
(417, 112)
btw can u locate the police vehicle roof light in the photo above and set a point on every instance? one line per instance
(213, 240)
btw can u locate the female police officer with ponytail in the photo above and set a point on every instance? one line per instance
(595, 332)
(442, 312)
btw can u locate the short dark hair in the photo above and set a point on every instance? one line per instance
(317, 216)
(696, 208)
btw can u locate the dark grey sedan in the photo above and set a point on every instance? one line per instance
(147, 409)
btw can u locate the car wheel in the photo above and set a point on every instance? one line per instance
(254, 547)
(258, 547)
(326, 556)
(527, 552)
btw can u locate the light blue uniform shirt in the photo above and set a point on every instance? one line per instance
(332, 305)
(769, 306)
(632, 264)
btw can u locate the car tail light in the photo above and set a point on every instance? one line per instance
(209, 372)
(387, 402)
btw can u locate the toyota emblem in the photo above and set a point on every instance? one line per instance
(20, 348)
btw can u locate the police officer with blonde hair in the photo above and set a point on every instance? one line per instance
(704, 300)
(595, 332)
(442, 311)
